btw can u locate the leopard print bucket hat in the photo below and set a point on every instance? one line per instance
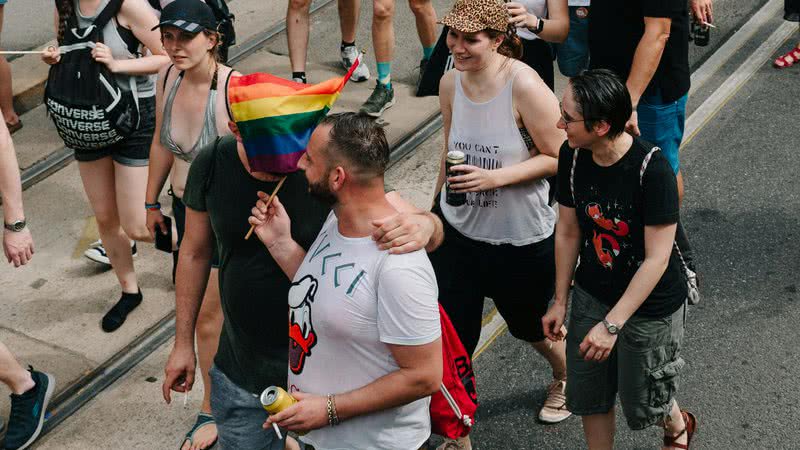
(471, 16)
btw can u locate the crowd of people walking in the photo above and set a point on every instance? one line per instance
(565, 204)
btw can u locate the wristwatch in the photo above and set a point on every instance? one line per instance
(539, 26)
(612, 329)
(17, 226)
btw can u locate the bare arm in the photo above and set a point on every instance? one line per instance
(557, 25)
(274, 228)
(648, 55)
(419, 375)
(161, 160)
(658, 241)
(138, 16)
(10, 184)
(568, 243)
(446, 90)
(191, 276)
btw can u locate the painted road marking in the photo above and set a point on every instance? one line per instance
(88, 236)
(711, 106)
(493, 324)
(734, 43)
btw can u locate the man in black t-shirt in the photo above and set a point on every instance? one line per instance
(253, 348)
(646, 42)
(618, 209)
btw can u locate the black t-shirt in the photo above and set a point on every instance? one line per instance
(253, 344)
(612, 210)
(617, 26)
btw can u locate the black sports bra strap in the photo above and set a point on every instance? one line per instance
(166, 76)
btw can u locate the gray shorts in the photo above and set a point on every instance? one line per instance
(239, 416)
(643, 367)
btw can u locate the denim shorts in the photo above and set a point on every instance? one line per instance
(643, 367)
(133, 151)
(662, 123)
(240, 416)
(573, 53)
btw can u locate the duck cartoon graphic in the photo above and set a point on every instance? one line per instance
(301, 329)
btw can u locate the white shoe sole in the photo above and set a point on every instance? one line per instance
(51, 385)
(552, 421)
(379, 113)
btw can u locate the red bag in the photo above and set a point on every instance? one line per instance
(453, 407)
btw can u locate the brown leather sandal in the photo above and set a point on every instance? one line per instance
(690, 426)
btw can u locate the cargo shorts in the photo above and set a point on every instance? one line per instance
(643, 367)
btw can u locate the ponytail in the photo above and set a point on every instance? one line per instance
(511, 46)
(65, 9)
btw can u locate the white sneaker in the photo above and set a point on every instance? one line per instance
(349, 55)
(97, 253)
(555, 405)
(456, 444)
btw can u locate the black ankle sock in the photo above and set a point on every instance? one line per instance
(116, 316)
(347, 44)
(301, 75)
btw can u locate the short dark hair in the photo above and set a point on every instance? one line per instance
(359, 140)
(602, 96)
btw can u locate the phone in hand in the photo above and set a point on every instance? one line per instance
(164, 240)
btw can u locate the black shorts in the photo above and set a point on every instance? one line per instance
(134, 151)
(520, 281)
(179, 211)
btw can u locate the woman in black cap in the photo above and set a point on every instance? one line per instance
(191, 113)
(114, 176)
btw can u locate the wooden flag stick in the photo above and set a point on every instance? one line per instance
(269, 202)
(26, 52)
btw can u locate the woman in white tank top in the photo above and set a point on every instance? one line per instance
(499, 244)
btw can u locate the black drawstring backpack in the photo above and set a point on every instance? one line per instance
(82, 96)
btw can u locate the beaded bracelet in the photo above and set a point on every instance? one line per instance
(153, 206)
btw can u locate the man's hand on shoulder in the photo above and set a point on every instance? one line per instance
(18, 246)
(403, 232)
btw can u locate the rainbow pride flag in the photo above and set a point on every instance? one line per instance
(276, 116)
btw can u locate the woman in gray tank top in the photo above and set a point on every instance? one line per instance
(191, 113)
(114, 177)
(500, 116)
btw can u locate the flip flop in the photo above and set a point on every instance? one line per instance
(13, 128)
(203, 419)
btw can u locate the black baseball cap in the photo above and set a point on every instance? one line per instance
(189, 15)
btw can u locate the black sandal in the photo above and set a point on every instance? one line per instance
(203, 419)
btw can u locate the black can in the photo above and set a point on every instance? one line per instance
(701, 34)
(454, 158)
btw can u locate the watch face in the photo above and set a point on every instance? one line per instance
(16, 226)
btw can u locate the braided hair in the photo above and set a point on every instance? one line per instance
(66, 9)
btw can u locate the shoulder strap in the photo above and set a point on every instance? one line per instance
(166, 75)
(227, 100)
(111, 10)
(645, 162)
(572, 175)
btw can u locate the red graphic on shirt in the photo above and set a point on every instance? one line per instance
(606, 245)
(301, 330)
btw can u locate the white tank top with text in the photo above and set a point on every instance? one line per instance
(487, 133)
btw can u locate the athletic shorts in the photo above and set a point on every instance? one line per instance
(3, 2)
(179, 211)
(662, 123)
(239, 416)
(644, 366)
(520, 281)
(134, 151)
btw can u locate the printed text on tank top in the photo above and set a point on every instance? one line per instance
(489, 133)
(208, 132)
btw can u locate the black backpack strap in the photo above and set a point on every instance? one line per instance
(211, 170)
(111, 10)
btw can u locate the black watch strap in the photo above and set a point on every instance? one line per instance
(17, 226)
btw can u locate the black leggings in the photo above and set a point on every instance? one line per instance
(520, 281)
